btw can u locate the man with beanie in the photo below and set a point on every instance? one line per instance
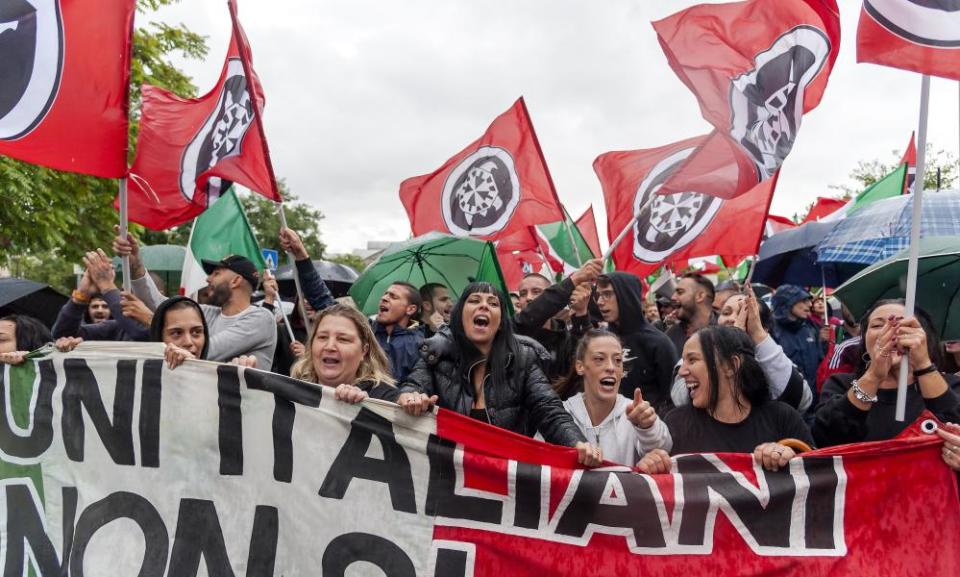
(649, 356)
(795, 332)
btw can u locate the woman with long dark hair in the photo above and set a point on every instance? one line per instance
(861, 406)
(20, 334)
(476, 366)
(730, 409)
(625, 429)
(179, 323)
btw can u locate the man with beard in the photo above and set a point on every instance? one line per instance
(236, 327)
(436, 304)
(543, 308)
(396, 330)
(693, 298)
(648, 355)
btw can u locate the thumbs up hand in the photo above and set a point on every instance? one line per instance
(640, 412)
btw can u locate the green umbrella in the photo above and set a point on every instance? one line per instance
(938, 283)
(434, 257)
(164, 259)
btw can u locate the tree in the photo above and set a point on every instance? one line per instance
(265, 220)
(867, 173)
(50, 216)
(351, 260)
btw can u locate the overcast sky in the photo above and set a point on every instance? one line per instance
(362, 94)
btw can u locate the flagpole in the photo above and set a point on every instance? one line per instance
(626, 229)
(913, 262)
(248, 74)
(125, 259)
(296, 275)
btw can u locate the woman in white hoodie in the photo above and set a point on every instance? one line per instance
(624, 429)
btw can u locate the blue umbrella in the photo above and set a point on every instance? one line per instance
(788, 257)
(881, 229)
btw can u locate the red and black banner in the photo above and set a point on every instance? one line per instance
(918, 35)
(497, 185)
(679, 226)
(756, 67)
(64, 83)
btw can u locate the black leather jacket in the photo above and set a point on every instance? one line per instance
(526, 405)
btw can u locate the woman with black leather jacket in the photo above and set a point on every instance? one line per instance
(478, 367)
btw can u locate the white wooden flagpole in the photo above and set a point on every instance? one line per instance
(913, 261)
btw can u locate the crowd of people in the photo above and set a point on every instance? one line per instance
(591, 362)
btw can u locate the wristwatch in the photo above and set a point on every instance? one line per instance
(862, 395)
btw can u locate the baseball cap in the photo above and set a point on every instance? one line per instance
(236, 263)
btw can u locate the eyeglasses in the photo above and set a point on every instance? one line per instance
(604, 295)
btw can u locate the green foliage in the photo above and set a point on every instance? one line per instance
(867, 173)
(265, 220)
(351, 260)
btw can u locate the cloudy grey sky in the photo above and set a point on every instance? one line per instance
(364, 93)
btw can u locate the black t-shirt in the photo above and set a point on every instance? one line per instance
(695, 431)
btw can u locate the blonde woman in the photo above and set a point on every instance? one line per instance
(343, 353)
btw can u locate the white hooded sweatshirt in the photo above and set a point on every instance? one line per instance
(620, 440)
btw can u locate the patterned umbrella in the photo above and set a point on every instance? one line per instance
(881, 229)
(789, 257)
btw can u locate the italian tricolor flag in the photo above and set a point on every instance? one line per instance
(555, 241)
(222, 230)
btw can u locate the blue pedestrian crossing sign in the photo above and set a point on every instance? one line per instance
(271, 258)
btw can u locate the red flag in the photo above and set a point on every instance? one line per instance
(64, 83)
(496, 186)
(824, 206)
(677, 226)
(910, 159)
(530, 240)
(918, 36)
(587, 223)
(755, 67)
(190, 150)
(515, 264)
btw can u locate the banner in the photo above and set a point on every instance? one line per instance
(917, 35)
(190, 151)
(113, 464)
(674, 227)
(498, 185)
(64, 83)
(756, 67)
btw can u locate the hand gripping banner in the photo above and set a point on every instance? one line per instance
(113, 464)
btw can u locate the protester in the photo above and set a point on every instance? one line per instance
(396, 329)
(730, 409)
(785, 382)
(861, 406)
(951, 357)
(436, 304)
(20, 334)
(796, 333)
(649, 354)
(667, 313)
(950, 433)
(97, 311)
(624, 430)
(180, 324)
(724, 291)
(540, 317)
(532, 285)
(344, 354)
(315, 291)
(515, 300)
(693, 299)
(477, 367)
(131, 318)
(235, 326)
(842, 356)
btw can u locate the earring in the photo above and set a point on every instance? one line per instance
(866, 358)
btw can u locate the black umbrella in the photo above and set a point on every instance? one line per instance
(789, 257)
(338, 277)
(26, 297)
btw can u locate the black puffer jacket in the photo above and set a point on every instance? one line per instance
(527, 405)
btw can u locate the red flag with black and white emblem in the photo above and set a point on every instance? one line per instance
(755, 67)
(64, 83)
(678, 226)
(918, 35)
(496, 186)
(191, 150)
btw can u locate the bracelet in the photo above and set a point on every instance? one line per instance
(932, 368)
(80, 297)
